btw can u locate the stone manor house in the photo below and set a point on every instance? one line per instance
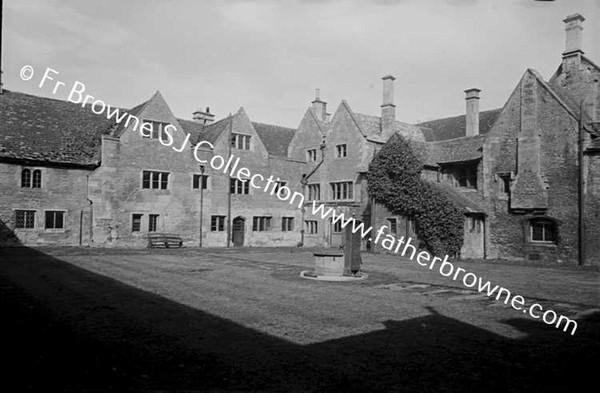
(526, 174)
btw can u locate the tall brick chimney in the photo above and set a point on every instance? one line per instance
(472, 116)
(319, 107)
(203, 117)
(388, 109)
(573, 37)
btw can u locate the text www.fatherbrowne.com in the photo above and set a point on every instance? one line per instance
(283, 193)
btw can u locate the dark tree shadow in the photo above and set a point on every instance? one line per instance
(8, 238)
(114, 337)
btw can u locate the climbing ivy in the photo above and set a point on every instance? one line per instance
(394, 180)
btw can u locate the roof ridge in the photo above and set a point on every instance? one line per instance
(454, 139)
(272, 125)
(353, 116)
(591, 62)
(545, 84)
(454, 117)
(219, 121)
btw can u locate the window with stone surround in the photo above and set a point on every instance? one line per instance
(55, 219)
(337, 227)
(156, 131)
(287, 224)
(31, 178)
(155, 180)
(341, 151)
(197, 179)
(240, 141)
(261, 224)
(393, 225)
(312, 227)
(314, 192)
(152, 222)
(217, 223)
(311, 155)
(24, 219)
(342, 190)
(236, 186)
(542, 231)
(136, 222)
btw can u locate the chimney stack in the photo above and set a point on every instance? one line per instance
(388, 109)
(203, 117)
(573, 28)
(319, 107)
(472, 116)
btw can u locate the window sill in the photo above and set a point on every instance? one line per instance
(541, 244)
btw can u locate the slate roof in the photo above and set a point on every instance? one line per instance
(275, 138)
(371, 125)
(194, 128)
(48, 130)
(459, 198)
(455, 127)
(453, 150)
(135, 111)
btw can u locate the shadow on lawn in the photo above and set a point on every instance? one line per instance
(112, 336)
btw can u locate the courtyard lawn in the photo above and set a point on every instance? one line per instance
(243, 320)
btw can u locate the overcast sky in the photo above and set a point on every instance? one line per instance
(269, 56)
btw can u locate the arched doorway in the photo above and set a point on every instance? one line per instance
(238, 227)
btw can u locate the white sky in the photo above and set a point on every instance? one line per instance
(269, 56)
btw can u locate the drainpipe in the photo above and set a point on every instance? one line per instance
(91, 213)
(201, 201)
(580, 199)
(304, 182)
(80, 227)
(229, 184)
(373, 223)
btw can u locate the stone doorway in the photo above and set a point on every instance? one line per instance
(239, 225)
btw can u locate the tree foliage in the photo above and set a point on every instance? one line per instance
(394, 180)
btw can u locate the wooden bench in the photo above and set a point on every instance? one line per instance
(164, 240)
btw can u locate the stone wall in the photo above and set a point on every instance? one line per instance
(63, 189)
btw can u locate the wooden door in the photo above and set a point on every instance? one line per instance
(238, 231)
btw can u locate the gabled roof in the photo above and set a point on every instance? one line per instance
(49, 130)
(211, 133)
(371, 125)
(455, 127)
(553, 92)
(194, 128)
(445, 152)
(459, 198)
(275, 138)
(135, 111)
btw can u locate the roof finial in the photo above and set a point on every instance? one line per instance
(317, 94)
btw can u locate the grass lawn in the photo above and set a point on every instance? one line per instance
(243, 320)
